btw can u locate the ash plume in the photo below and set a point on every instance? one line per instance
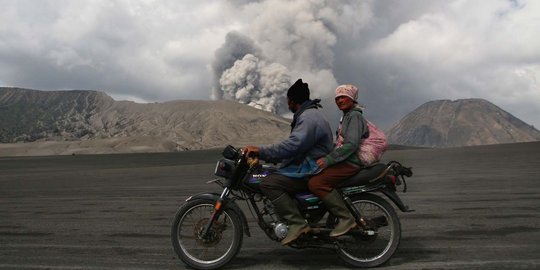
(236, 46)
(257, 83)
(290, 40)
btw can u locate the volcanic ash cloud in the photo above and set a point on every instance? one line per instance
(257, 83)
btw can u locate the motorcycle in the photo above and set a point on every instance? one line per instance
(207, 231)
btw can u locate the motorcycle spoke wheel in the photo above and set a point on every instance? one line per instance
(374, 244)
(220, 244)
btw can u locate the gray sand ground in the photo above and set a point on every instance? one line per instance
(476, 208)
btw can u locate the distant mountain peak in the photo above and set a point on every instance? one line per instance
(462, 122)
(79, 115)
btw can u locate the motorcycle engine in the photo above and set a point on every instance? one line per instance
(281, 230)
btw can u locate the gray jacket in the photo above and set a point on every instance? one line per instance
(353, 129)
(311, 136)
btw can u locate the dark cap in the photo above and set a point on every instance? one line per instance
(298, 92)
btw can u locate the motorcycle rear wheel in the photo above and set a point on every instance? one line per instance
(222, 244)
(376, 245)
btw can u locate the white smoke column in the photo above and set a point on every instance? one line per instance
(254, 82)
(236, 46)
(296, 37)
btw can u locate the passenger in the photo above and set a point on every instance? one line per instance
(343, 162)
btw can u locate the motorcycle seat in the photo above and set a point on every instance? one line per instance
(366, 175)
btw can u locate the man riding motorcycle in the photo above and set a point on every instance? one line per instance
(309, 140)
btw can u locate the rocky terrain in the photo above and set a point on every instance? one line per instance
(90, 122)
(67, 122)
(464, 122)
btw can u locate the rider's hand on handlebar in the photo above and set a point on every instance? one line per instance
(252, 154)
(251, 151)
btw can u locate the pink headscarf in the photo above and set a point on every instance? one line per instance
(348, 90)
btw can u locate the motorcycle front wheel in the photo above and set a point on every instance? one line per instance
(218, 247)
(374, 244)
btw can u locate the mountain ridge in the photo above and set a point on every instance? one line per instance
(462, 122)
(38, 122)
(80, 115)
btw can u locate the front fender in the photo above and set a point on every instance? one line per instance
(227, 204)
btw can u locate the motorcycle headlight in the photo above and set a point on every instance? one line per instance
(225, 168)
(230, 152)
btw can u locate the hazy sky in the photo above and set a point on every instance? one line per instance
(401, 54)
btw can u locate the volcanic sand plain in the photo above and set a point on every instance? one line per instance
(476, 208)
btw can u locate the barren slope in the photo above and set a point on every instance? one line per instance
(66, 122)
(465, 122)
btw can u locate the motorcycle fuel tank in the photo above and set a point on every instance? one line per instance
(253, 180)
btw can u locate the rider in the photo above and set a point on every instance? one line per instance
(343, 162)
(309, 140)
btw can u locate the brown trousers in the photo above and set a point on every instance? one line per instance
(324, 182)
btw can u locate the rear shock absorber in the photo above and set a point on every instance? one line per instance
(354, 211)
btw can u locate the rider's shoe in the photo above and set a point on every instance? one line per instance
(337, 206)
(288, 211)
(295, 231)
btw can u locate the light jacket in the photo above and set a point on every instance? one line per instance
(353, 129)
(310, 139)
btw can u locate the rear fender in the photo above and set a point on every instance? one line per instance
(227, 204)
(396, 200)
